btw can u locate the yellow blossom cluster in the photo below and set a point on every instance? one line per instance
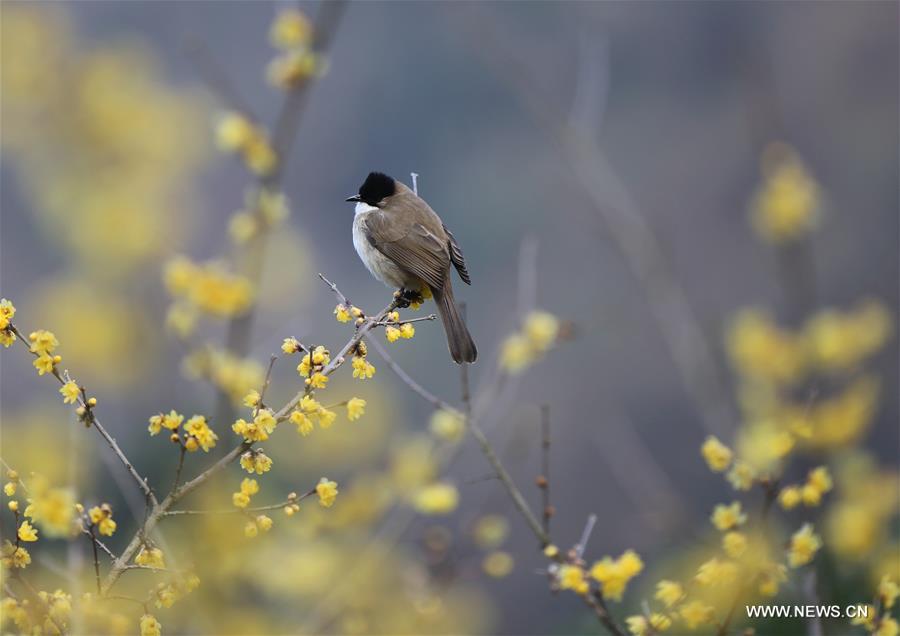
(168, 593)
(448, 426)
(362, 368)
(538, 334)
(208, 287)
(43, 344)
(309, 408)
(397, 330)
(818, 482)
(150, 626)
(150, 556)
(53, 509)
(260, 522)
(60, 126)
(55, 612)
(233, 375)
(256, 461)
(803, 547)
(101, 517)
(614, 574)
(327, 491)
(7, 312)
(249, 487)
(439, 498)
(237, 134)
(197, 433)
(786, 205)
(312, 366)
(257, 430)
(262, 211)
(489, 533)
(728, 517)
(292, 33)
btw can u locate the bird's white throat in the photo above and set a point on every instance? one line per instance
(362, 207)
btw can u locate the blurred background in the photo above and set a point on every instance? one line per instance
(607, 162)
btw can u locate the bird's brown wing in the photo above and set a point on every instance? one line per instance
(412, 246)
(456, 256)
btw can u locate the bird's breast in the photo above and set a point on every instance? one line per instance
(380, 266)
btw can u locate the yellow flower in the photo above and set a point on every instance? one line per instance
(571, 577)
(362, 369)
(771, 578)
(150, 626)
(27, 532)
(43, 363)
(171, 421)
(789, 497)
(734, 544)
(265, 420)
(786, 205)
(256, 461)
(888, 591)
(15, 557)
(717, 455)
(804, 545)
(242, 226)
(259, 155)
(641, 626)
(516, 353)
(240, 499)
(290, 345)
(43, 341)
(888, 626)
(727, 517)
(151, 557)
(342, 313)
(490, 531)
(614, 574)
(304, 424)
(52, 509)
(439, 498)
(326, 417)
(199, 430)
(317, 380)
(716, 572)
(251, 400)
(7, 337)
(250, 529)
(249, 486)
(356, 407)
(541, 329)
(7, 311)
(392, 334)
(498, 564)
(551, 551)
(291, 29)
(101, 516)
(407, 331)
(447, 425)
(233, 131)
(264, 523)
(695, 614)
(669, 592)
(761, 350)
(327, 492)
(818, 482)
(9, 488)
(741, 476)
(70, 392)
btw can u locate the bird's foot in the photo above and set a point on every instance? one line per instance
(406, 297)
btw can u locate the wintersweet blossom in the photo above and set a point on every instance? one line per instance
(727, 517)
(669, 592)
(803, 547)
(150, 556)
(439, 498)
(7, 312)
(356, 407)
(150, 626)
(327, 491)
(614, 574)
(27, 532)
(70, 392)
(717, 455)
(362, 368)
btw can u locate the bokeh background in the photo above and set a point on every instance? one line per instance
(622, 144)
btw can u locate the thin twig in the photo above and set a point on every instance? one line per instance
(585, 535)
(544, 478)
(228, 511)
(91, 418)
(96, 557)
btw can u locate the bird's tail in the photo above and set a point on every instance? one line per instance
(462, 347)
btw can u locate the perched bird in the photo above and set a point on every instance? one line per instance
(404, 243)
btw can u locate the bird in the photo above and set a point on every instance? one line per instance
(404, 244)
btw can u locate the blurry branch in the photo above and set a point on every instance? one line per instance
(620, 214)
(90, 419)
(283, 135)
(543, 480)
(228, 511)
(581, 546)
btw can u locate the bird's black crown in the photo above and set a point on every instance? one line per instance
(376, 187)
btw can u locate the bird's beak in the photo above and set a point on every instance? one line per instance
(354, 199)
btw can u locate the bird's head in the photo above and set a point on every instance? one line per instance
(375, 189)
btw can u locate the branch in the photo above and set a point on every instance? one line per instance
(91, 418)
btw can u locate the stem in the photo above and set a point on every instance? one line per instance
(96, 557)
